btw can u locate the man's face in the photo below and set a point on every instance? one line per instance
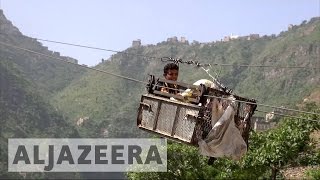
(172, 75)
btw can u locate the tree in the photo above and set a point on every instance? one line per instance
(287, 145)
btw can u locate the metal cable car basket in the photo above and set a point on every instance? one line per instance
(187, 122)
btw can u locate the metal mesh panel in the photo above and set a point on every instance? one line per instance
(241, 108)
(148, 117)
(186, 123)
(205, 125)
(166, 118)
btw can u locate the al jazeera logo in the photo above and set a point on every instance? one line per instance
(87, 155)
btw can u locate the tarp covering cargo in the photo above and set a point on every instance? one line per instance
(224, 139)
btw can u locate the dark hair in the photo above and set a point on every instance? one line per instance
(170, 66)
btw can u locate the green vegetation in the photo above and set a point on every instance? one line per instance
(41, 97)
(111, 102)
(49, 74)
(314, 174)
(24, 114)
(269, 152)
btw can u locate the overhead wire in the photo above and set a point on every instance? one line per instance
(83, 66)
(139, 81)
(151, 57)
(95, 48)
(265, 105)
(267, 66)
(178, 60)
(285, 115)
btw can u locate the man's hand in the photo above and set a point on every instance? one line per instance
(164, 90)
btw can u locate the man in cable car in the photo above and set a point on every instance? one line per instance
(170, 72)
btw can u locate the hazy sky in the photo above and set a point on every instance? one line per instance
(113, 24)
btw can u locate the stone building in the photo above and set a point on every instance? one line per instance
(173, 39)
(253, 36)
(136, 43)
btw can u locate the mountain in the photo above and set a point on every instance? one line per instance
(111, 103)
(49, 74)
(27, 81)
(42, 97)
(25, 114)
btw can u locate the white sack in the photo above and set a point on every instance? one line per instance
(224, 139)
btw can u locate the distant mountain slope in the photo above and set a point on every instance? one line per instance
(297, 47)
(111, 102)
(108, 104)
(24, 114)
(26, 83)
(49, 74)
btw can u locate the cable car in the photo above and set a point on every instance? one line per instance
(186, 122)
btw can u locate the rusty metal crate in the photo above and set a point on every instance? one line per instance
(187, 122)
(173, 119)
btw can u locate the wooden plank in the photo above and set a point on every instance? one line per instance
(168, 137)
(178, 103)
(187, 86)
(174, 126)
(139, 118)
(157, 115)
(169, 95)
(179, 97)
